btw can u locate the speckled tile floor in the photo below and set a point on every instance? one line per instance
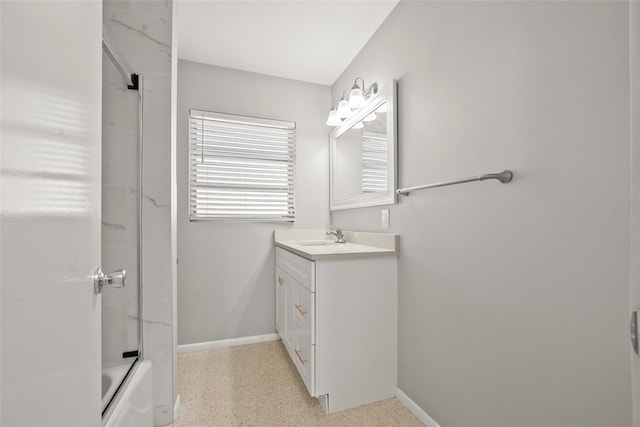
(258, 385)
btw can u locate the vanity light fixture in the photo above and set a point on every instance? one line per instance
(343, 111)
(352, 100)
(359, 95)
(333, 119)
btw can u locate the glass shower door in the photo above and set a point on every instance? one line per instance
(121, 154)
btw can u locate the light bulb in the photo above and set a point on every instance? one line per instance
(343, 109)
(371, 117)
(358, 125)
(333, 119)
(356, 98)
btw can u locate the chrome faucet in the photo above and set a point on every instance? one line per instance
(338, 234)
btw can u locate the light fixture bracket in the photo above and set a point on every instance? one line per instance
(373, 89)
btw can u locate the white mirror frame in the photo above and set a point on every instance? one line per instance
(385, 94)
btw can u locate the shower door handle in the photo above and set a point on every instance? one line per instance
(117, 279)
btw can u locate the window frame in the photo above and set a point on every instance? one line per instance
(290, 130)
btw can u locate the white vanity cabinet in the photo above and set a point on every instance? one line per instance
(337, 317)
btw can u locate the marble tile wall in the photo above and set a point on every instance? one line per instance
(142, 32)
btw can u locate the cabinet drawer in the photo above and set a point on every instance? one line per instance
(304, 359)
(303, 310)
(301, 269)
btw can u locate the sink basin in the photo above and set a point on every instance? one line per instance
(316, 243)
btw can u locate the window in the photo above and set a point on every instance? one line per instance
(374, 162)
(241, 168)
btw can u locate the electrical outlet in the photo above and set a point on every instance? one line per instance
(384, 218)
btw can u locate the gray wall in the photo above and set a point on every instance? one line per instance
(513, 298)
(226, 269)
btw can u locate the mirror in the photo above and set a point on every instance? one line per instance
(363, 154)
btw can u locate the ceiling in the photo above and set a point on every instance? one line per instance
(308, 40)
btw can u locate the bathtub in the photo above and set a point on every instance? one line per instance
(134, 404)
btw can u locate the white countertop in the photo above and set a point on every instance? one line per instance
(315, 244)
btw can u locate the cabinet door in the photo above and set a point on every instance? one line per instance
(285, 286)
(281, 303)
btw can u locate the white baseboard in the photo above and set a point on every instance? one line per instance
(415, 409)
(232, 342)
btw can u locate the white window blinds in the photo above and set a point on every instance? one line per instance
(241, 168)
(374, 162)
